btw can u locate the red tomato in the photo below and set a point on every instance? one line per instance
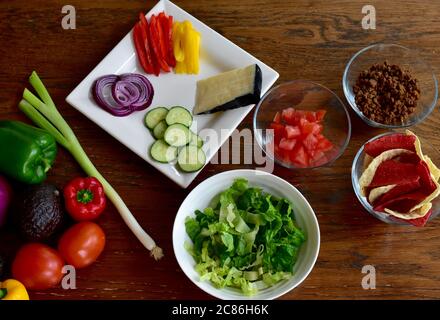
(288, 115)
(310, 127)
(310, 142)
(292, 131)
(278, 131)
(298, 137)
(299, 156)
(282, 154)
(287, 144)
(38, 266)
(310, 116)
(82, 244)
(324, 145)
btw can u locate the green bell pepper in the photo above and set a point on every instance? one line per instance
(26, 152)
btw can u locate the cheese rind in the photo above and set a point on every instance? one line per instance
(229, 90)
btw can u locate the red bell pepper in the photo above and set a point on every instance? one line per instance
(166, 23)
(157, 43)
(84, 198)
(145, 33)
(140, 49)
(161, 36)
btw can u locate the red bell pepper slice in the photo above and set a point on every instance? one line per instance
(151, 59)
(166, 23)
(156, 36)
(140, 49)
(163, 43)
(172, 59)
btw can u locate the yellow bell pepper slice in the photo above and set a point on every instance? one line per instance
(186, 46)
(196, 52)
(179, 53)
(13, 290)
(188, 50)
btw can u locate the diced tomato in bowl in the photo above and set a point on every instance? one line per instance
(309, 114)
(299, 138)
(287, 144)
(300, 157)
(292, 131)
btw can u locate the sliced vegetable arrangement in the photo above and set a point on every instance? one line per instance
(162, 44)
(246, 239)
(299, 138)
(399, 180)
(124, 94)
(172, 130)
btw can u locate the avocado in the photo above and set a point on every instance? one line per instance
(39, 212)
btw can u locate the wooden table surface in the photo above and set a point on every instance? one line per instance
(300, 39)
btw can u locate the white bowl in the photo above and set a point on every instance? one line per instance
(200, 197)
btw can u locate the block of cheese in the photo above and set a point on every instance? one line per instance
(229, 90)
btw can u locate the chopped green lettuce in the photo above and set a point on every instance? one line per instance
(246, 239)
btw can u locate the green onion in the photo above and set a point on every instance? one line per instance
(43, 112)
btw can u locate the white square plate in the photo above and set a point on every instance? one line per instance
(217, 55)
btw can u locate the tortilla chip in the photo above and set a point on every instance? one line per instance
(402, 203)
(394, 172)
(409, 158)
(420, 222)
(376, 193)
(367, 161)
(417, 144)
(435, 171)
(413, 214)
(397, 191)
(426, 178)
(368, 174)
(390, 142)
(429, 198)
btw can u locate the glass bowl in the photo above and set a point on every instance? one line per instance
(358, 168)
(405, 58)
(309, 96)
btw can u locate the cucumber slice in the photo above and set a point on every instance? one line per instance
(191, 158)
(179, 115)
(177, 135)
(196, 140)
(153, 117)
(159, 129)
(162, 152)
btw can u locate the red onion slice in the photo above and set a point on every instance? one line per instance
(122, 95)
(145, 88)
(103, 97)
(125, 93)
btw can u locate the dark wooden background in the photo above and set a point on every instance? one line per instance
(300, 39)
